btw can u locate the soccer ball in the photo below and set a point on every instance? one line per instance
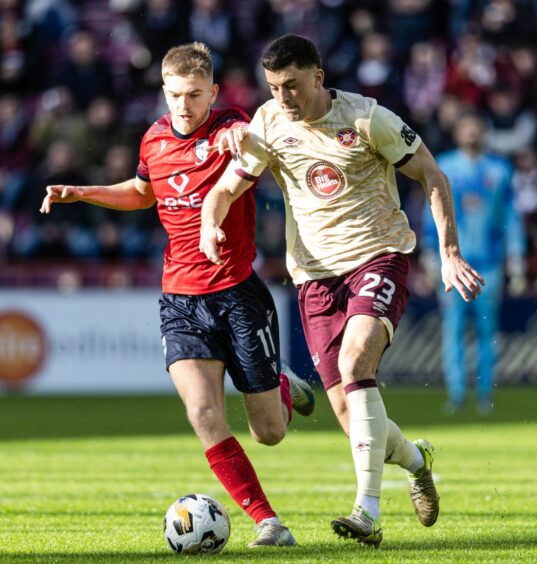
(196, 523)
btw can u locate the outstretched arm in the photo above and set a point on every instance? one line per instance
(215, 209)
(133, 194)
(456, 272)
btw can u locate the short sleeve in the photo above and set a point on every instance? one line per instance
(254, 155)
(391, 136)
(142, 170)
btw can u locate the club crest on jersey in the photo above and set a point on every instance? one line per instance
(346, 137)
(200, 150)
(325, 180)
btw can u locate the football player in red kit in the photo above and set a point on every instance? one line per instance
(214, 317)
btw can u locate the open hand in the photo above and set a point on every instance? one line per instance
(211, 238)
(230, 141)
(456, 272)
(60, 194)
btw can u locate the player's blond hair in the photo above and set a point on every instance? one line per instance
(188, 59)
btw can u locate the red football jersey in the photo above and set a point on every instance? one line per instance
(182, 172)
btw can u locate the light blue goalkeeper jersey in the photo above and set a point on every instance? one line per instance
(488, 225)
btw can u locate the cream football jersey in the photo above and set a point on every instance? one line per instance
(338, 182)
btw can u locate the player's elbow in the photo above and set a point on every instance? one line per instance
(146, 201)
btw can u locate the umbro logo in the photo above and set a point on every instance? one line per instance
(380, 307)
(291, 141)
(363, 446)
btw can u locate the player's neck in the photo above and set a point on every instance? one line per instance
(473, 152)
(323, 106)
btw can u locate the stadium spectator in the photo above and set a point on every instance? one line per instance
(491, 235)
(471, 70)
(410, 21)
(525, 188)
(55, 118)
(238, 89)
(511, 127)
(14, 150)
(212, 24)
(376, 75)
(341, 61)
(86, 74)
(424, 82)
(437, 132)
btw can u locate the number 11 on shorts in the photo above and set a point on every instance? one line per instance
(265, 343)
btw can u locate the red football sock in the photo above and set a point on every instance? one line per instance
(286, 396)
(235, 471)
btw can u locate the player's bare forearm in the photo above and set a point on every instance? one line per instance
(215, 209)
(456, 272)
(423, 168)
(133, 194)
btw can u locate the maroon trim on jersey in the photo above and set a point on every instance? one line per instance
(245, 176)
(404, 160)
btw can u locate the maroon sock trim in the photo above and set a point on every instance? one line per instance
(360, 385)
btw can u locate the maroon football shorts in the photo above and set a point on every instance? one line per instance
(377, 288)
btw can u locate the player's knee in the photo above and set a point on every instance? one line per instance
(205, 416)
(354, 366)
(270, 435)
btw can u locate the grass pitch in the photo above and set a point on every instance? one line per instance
(89, 480)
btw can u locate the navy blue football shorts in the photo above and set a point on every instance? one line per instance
(238, 326)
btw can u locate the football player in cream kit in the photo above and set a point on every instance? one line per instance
(334, 156)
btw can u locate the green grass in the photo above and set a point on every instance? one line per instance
(89, 480)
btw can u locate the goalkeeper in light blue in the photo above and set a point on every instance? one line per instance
(491, 235)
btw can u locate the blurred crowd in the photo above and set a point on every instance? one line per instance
(80, 83)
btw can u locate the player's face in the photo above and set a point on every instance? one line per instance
(298, 91)
(189, 100)
(469, 132)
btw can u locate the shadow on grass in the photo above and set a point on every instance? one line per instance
(23, 417)
(314, 552)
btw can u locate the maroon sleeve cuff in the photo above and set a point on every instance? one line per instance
(243, 174)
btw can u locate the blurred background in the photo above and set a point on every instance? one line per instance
(79, 85)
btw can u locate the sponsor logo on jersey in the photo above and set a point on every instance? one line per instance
(325, 180)
(408, 135)
(181, 185)
(347, 137)
(200, 149)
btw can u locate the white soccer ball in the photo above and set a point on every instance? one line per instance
(196, 523)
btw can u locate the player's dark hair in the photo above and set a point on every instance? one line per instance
(291, 50)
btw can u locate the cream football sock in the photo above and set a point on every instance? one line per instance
(402, 452)
(368, 432)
